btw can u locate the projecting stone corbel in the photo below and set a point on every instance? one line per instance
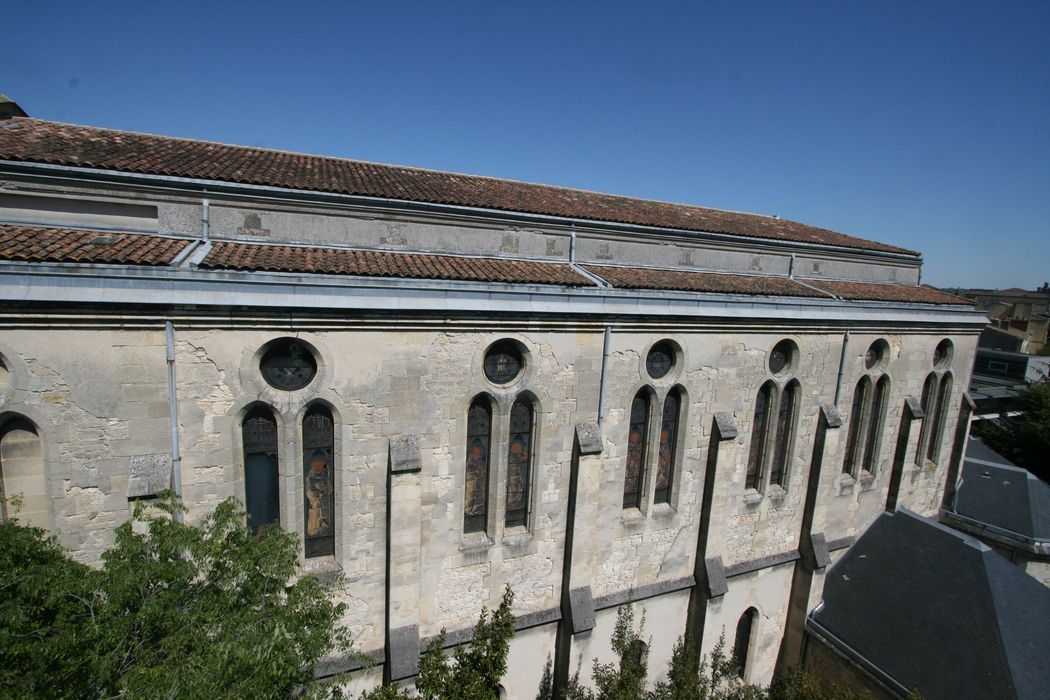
(405, 454)
(831, 415)
(726, 427)
(589, 436)
(715, 582)
(581, 604)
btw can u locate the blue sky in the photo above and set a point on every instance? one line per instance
(921, 124)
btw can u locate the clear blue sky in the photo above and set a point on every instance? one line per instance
(921, 124)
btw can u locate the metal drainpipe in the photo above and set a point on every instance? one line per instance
(842, 366)
(173, 411)
(605, 371)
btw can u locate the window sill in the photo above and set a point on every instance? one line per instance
(752, 497)
(867, 480)
(632, 516)
(475, 541)
(324, 568)
(516, 536)
(845, 483)
(663, 510)
(776, 494)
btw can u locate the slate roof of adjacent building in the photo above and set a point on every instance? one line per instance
(996, 492)
(925, 607)
(38, 141)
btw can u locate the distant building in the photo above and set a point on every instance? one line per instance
(1019, 313)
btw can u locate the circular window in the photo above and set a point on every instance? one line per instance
(503, 362)
(660, 360)
(288, 364)
(876, 354)
(782, 357)
(942, 355)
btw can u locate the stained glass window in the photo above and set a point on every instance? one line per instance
(261, 492)
(637, 435)
(942, 354)
(476, 491)
(503, 363)
(759, 430)
(519, 459)
(928, 389)
(319, 482)
(668, 440)
(854, 436)
(660, 360)
(785, 430)
(933, 448)
(876, 354)
(288, 364)
(876, 418)
(781, 357)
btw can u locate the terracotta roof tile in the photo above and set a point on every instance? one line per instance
(37, 244)
(873, 291)
(714, 282)
(33, 140)
(339, 261)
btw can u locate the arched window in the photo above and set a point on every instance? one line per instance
(636, 449)
(759, 430)
(854, 438)
(929, 389)
(742, 640)
(668, 445)
(940, 414)
(785, 434)
(476, 483)
(876, 420)
(519, 461)
(319, 482)
(261, 498)
(22, 472)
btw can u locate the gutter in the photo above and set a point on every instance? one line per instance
(578, 268)
(606, 341)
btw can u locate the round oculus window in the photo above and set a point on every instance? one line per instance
(875, 354)
(942, 354)
(288, 364)
(660, 360)
(503, 363)
(782, 356)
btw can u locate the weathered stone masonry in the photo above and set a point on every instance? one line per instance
(85, 425)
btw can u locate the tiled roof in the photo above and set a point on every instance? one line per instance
(338, 261)
(33, 140)
(876, 291)
(37, 244)
(714, 282)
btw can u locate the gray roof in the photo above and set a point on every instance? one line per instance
(995, 492)
(922, 606)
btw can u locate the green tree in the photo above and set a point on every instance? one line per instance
(474, 670)
(176, 610)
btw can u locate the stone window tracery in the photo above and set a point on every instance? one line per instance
(476, 485)
(261, 491)
(288, 364)
(867, 416)
(319, 482)
(775, 421)
(936, 396)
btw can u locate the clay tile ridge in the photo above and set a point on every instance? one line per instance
(34, 140)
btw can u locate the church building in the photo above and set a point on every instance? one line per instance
(448, 383)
